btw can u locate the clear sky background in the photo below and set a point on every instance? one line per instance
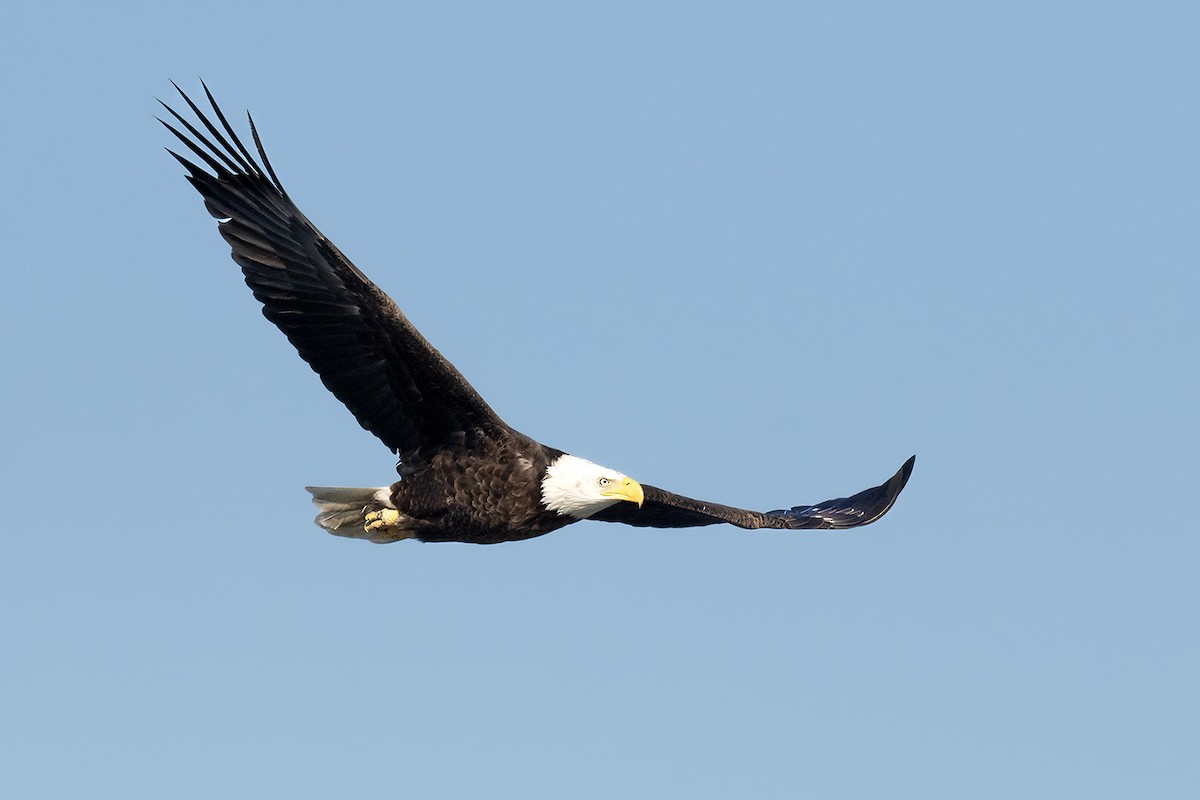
(758, 253)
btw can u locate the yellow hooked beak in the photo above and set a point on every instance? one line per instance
(626, 489)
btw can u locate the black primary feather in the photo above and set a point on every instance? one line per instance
(366, 352)
(664, 509)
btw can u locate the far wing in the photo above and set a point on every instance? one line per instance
(663, 509)
(356, 339)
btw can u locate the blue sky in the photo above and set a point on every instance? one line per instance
(756, 253)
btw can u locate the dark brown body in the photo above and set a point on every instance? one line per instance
(480, 495)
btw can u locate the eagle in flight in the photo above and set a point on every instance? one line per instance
(465, 476)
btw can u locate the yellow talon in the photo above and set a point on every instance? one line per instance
(384, 518)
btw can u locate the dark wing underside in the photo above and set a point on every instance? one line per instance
(664, 509)
(351, 333)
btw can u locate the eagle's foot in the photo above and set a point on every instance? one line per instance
(381, 519)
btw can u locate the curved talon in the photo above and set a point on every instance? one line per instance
(383, 518)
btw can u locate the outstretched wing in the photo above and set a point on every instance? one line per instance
(356, 339)
(663, 509)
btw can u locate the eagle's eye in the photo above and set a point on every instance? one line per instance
(602, 481)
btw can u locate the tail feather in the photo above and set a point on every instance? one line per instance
(341, 509)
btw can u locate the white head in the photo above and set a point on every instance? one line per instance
(578, 488)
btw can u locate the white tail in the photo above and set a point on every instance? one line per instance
(343, 510)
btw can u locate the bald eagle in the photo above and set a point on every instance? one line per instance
(465, 476)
